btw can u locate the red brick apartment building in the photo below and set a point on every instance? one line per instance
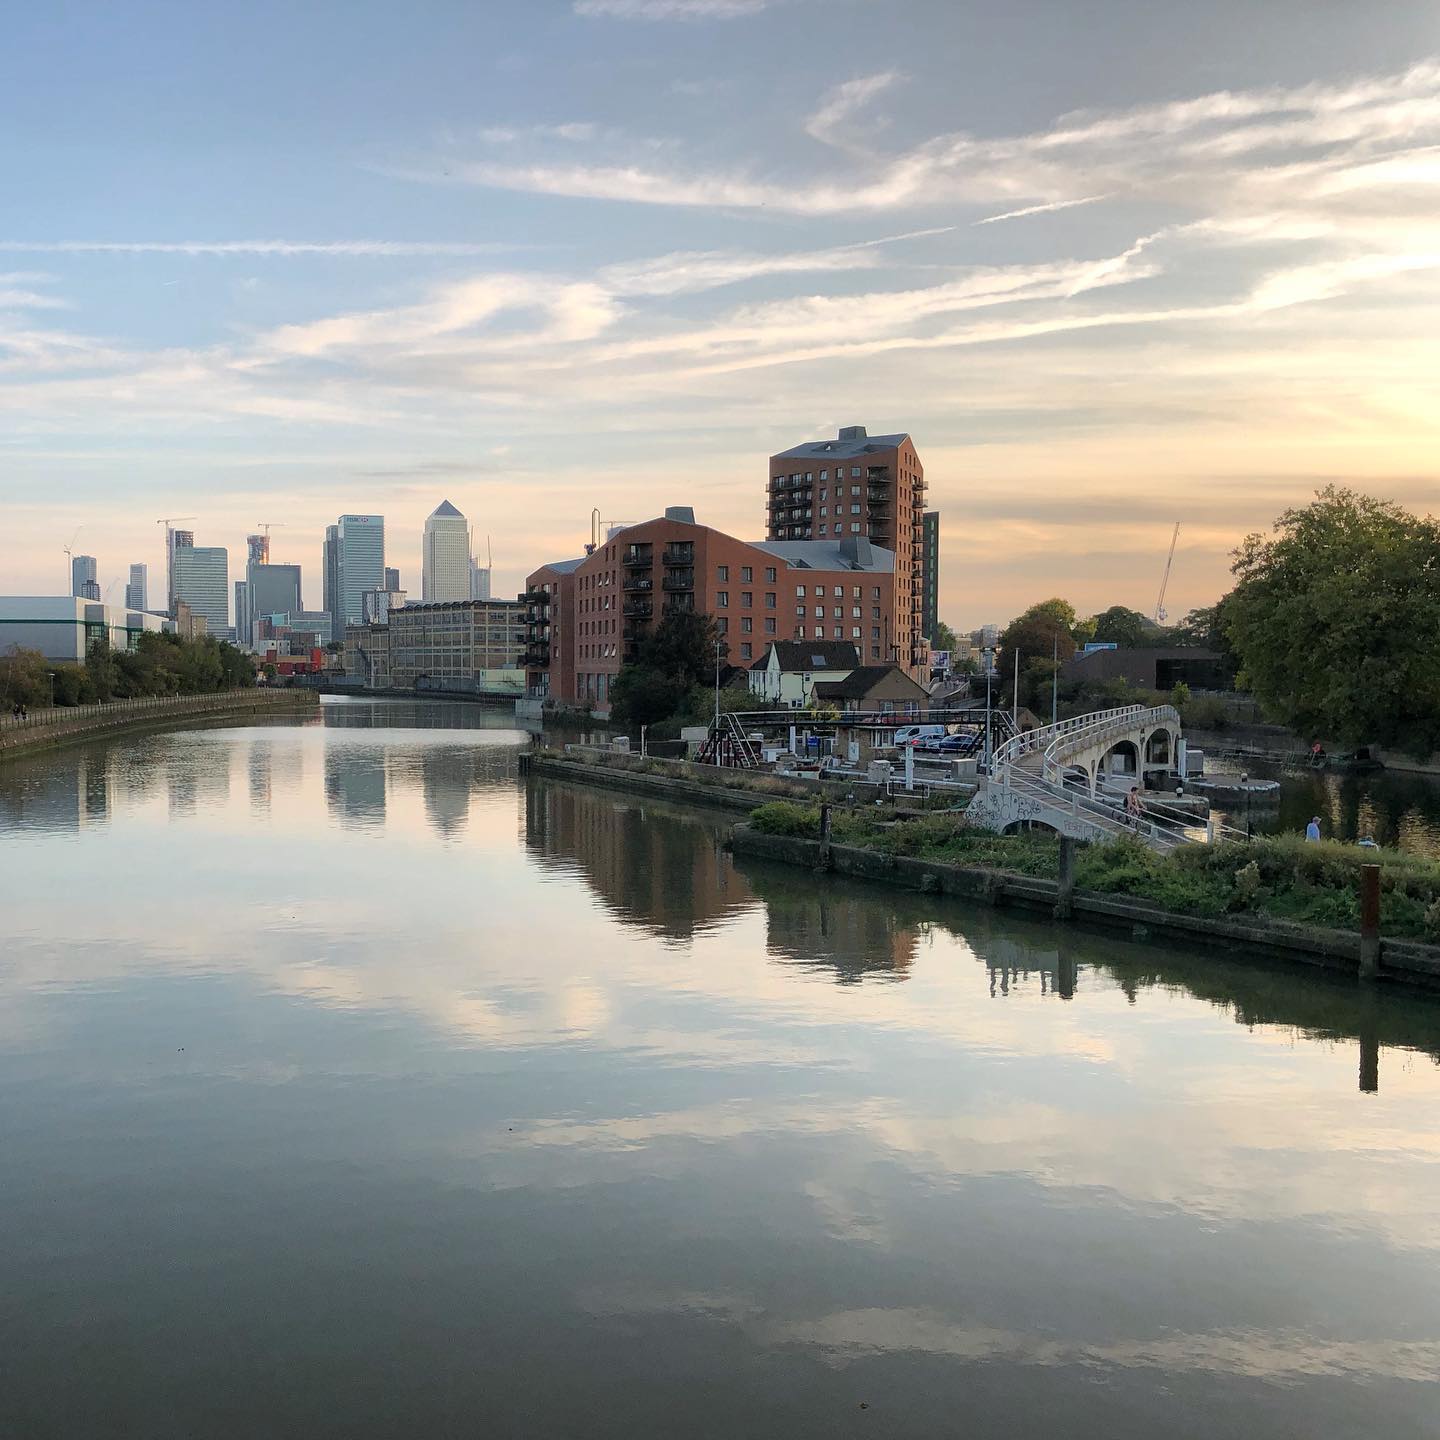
(585, 617)
(860, 485)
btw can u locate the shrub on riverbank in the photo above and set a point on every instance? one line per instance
(160, 664)
(1276, 877)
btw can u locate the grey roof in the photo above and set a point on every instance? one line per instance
(446, 508)
(565, 567)
(810, 655)
(846, 446)
(860, 682)
(825, 555)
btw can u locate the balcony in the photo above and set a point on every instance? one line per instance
(680, 554)
(536, 657)
(641, 609)
(536, 597)
(635, 583)
(680, 580)
(680, 605)
(877, 476)
(637, 556)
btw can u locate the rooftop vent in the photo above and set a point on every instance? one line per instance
(685, 514)
(852, 432)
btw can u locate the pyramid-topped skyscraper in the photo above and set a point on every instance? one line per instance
(446, 556)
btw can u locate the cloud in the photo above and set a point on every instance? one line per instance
(827, 124)
(576, 131)
(380, 249)
(670, 9)
(1040, 209)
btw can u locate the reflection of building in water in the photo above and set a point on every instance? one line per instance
(448, 775)
(653, 865)
(355, 784)
(66, 791)
(258, 769)
(836, 926)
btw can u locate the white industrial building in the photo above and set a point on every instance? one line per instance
(63, 627)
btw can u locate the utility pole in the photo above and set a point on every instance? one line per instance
(1055, 680)
(988, 655)
(1015, 695)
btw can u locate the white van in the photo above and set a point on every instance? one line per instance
(918, 735)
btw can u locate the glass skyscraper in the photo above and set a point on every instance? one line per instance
(202, 581)
(360, 563)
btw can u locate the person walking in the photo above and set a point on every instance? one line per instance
(1312, 830)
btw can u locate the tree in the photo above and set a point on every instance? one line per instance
(1334, 619)
(943, 638)
(1043, 632)
(1122, 626)
(674, 660)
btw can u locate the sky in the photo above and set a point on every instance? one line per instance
(1113, 265)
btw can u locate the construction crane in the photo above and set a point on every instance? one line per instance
(70, 560)
(268, 525)
(1160, 611)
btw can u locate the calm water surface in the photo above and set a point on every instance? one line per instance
(350, 1088)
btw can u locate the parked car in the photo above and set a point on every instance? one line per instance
(907, 735)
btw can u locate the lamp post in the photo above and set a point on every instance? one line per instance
(50, 675)
(1245, 788)
(988, 655)
(719, 650)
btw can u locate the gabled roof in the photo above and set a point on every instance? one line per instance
(807, 655)
(860, 682)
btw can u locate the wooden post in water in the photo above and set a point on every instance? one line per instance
(1369, 922)
(824, 837)
(1066, 887)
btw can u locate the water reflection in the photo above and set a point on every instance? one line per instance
(654, 865)
(500, 1108)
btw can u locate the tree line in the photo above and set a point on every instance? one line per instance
(1333, 625)
(160, 664)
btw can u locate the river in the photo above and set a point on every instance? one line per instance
(350, 1087)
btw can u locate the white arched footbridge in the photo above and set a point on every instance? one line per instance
(1057, 777)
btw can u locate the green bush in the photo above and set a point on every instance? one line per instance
(785, 817)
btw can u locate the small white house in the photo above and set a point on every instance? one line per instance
(786, 674)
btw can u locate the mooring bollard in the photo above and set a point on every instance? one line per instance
(1066, 888)
(1369, 921)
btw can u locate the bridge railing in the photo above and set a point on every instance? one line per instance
(1031, 740)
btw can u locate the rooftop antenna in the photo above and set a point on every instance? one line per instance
(1160, 611)
(594, 544)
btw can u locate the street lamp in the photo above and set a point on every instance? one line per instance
(50, 675)
(719, 650)
(988, 655)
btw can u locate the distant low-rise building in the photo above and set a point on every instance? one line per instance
(462, 645)
(786, 675)
(1159, 669)
(63, 627)
(875, 689)
(367, 656)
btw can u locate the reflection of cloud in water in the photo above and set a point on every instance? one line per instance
(1278, 1355)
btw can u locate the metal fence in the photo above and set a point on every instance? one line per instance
(50, 716)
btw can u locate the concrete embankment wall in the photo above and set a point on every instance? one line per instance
(681, 785)
(1400, 960)
(82, 722)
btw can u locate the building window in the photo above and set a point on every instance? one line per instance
(874, 652)
(874, 632)
(723, 625)
(722, 573)
(746, 624)
(722, 599)
(858, 592)
(855, 633)
(854, 509)
(823, 527)
(800, 611)
(874, 612)
(747, 599)
(855, 528)
(875, 592)
(799, 592)
(854, 474)
(746, 651)
(746, 574)
(769, 624)
(819, 632)
(854, 489)
(819, 612)
(769, 574)
(824, 474)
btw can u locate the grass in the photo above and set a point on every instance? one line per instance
(1278, 878)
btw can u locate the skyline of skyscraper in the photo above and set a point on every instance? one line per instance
(445, 556)
(360, 563)
(83, 582)
(137, 588)
(202, 581)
